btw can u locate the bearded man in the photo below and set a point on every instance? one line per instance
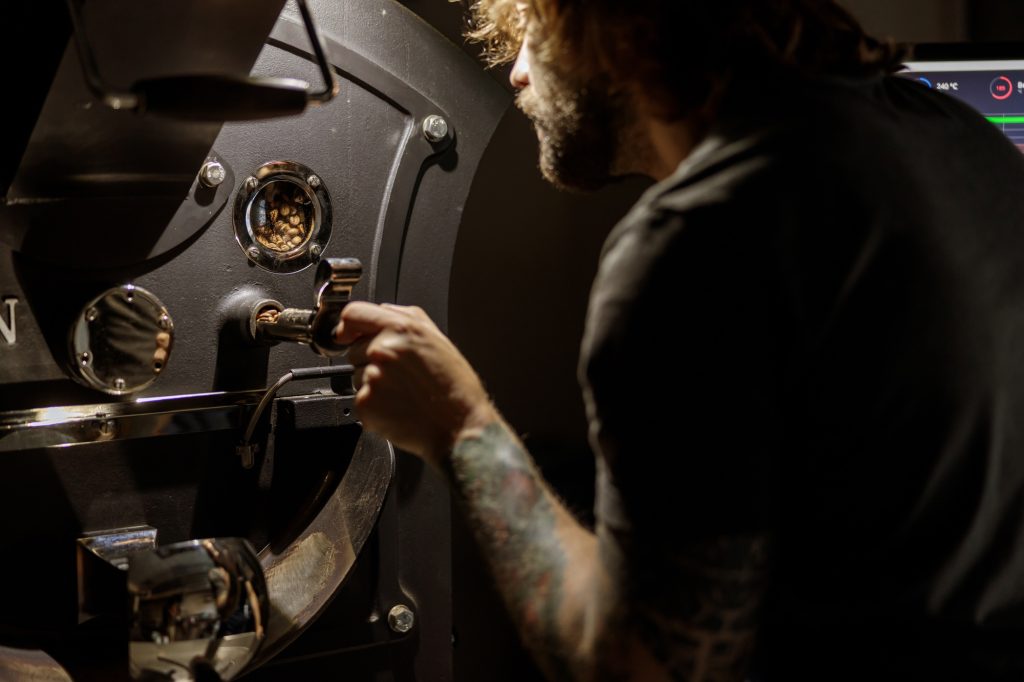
(803, 362)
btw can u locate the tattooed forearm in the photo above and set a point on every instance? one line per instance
(522, 529)
(697, 612)
(591, 609)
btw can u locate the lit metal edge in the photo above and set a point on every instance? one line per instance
(17, 420)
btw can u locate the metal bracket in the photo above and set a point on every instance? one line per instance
(221, 97)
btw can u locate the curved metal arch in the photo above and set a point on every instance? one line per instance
(414, 149)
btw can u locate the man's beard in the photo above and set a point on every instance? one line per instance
(581, 132)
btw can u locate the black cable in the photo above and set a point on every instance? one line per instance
(245, 449)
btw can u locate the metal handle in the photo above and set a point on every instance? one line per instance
(222, 97)
(335, 279)
(269, 321)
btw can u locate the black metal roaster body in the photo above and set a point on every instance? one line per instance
(196, 191)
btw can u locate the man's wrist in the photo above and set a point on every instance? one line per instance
(472, 425)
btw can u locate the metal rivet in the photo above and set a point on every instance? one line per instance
(91, 314)
(251, 183)
(253, 252)
(119, 384)
(315, 251)
(313, 181)
(212, 174)
(401, 619)
(435, 128)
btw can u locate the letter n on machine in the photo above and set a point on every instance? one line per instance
(8, 325)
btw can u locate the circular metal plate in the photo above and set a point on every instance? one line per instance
(121, 341)
(282, 217)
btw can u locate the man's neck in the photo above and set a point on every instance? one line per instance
(671, 142)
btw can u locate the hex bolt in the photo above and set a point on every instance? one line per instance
(314, 252)
(251, 183)
(253, 252)
(313, 181)
(401, 619)
(435, 128)
(212, 174)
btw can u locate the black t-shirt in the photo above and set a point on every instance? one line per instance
(815, 329)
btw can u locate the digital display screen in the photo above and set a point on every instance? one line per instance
(995, 88)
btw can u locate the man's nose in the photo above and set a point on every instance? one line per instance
(520, 76)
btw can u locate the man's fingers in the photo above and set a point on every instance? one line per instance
(357, 352)
(413, 311)
(360, 318)
(363, 376)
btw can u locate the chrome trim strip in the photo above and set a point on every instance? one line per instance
(70, 425)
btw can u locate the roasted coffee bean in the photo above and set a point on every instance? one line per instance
(287, 213)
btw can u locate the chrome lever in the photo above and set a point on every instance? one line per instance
(270, 322)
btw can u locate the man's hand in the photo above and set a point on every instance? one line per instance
(413, 386)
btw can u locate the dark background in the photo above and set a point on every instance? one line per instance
(523, 265)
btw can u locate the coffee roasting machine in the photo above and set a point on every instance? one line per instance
(193, 190)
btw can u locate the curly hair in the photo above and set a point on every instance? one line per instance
(676, 49)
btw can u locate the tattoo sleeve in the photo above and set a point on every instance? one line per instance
(697, 611)
(516, 519)
(580, 608)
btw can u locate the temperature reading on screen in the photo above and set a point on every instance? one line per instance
(993, 87)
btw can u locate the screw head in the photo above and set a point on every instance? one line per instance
(119, 384)
(107, 428)
(315, 251)
(84, 358)
(251, 183)
(165, 322)
(401, 619)
(253, 252)
(435, 128)
(212, 174)
(91, 314)
(313, 181)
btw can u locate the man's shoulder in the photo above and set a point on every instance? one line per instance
(724, 175)
(711, 176)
